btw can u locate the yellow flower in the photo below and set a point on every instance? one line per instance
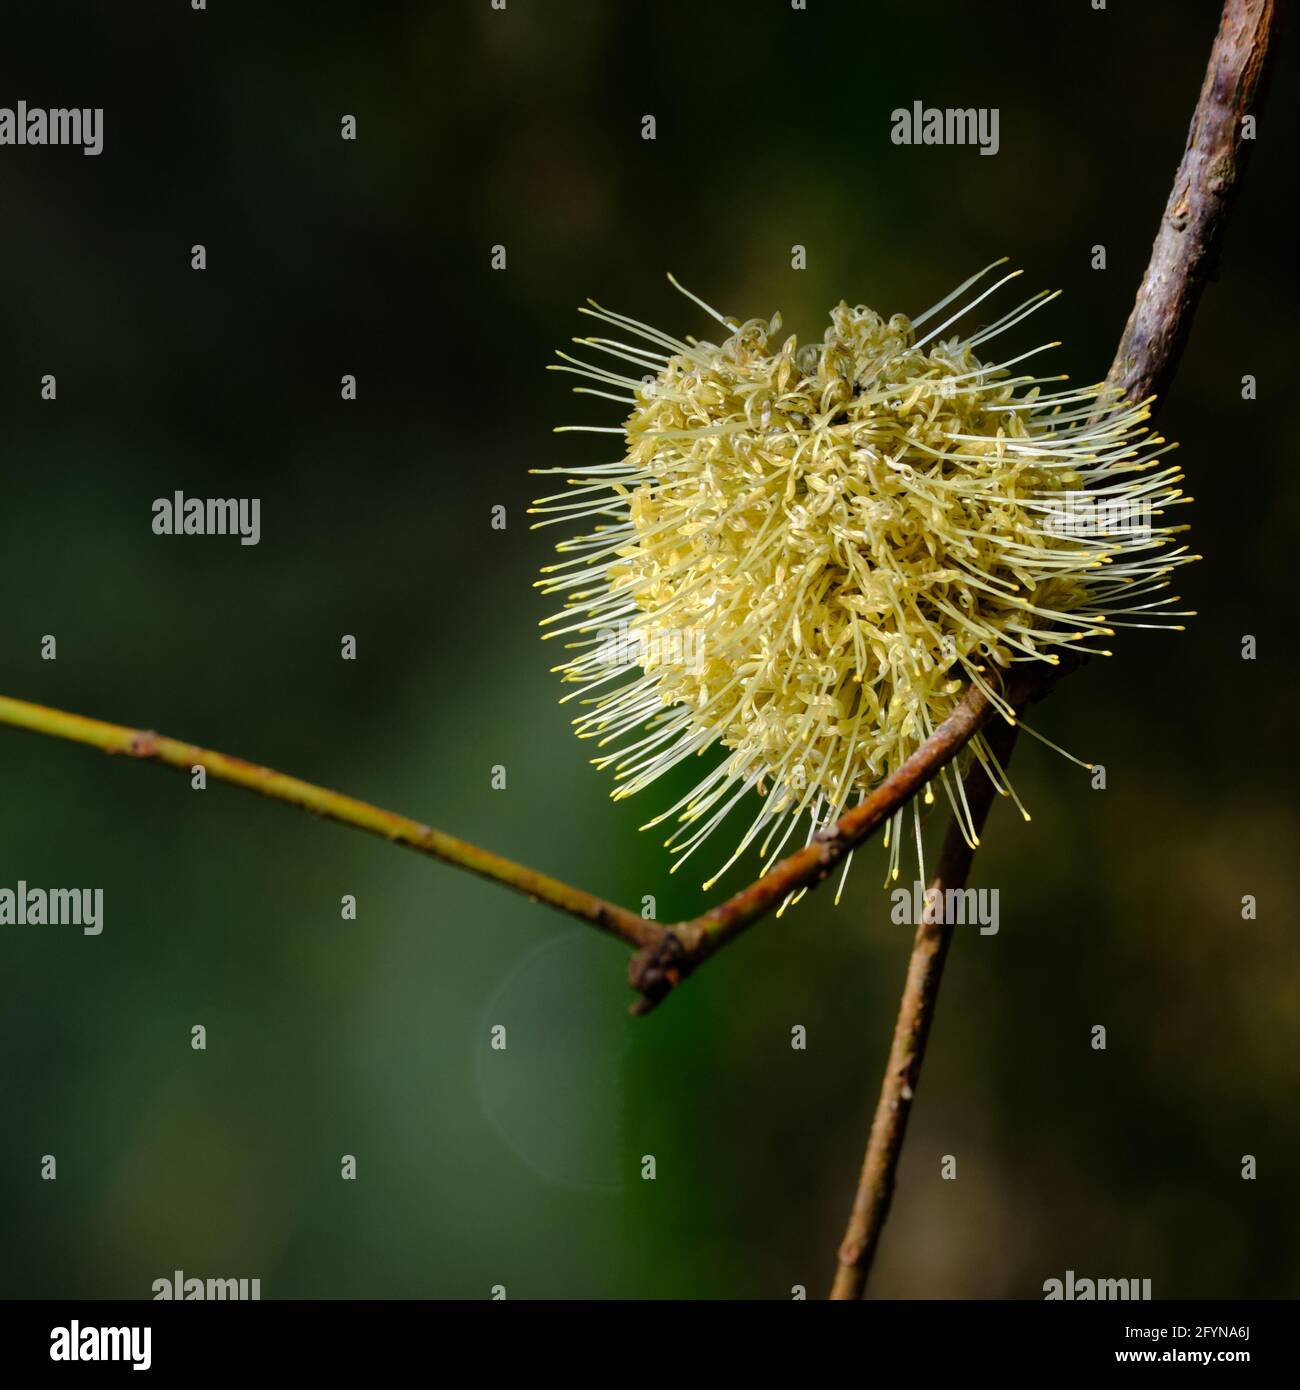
(806, 554)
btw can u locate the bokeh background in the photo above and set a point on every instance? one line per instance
(327, 1037)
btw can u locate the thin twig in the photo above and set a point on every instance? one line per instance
(706, 933)
(915, 1015)
(667, 953)
(170, 752)
(1183, 256)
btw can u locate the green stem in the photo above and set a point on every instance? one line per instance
(665, 955)
(320, 801)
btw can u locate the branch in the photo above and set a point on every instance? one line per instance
(1186, 249)
(706, 933)
(667, 954)
(1184, 255)
(915, 1015)
(154, 748)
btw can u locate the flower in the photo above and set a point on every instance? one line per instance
(805, 555)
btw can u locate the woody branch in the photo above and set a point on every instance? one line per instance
(1183, 257)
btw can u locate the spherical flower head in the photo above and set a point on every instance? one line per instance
(806, 555)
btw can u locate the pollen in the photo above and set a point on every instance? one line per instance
(805, 555)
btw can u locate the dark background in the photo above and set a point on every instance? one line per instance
(1119, 907)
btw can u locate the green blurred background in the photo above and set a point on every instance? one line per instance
(328, 1037)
